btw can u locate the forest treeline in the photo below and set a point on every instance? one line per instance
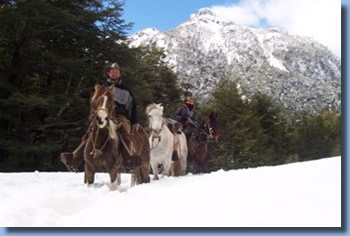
(52, 55)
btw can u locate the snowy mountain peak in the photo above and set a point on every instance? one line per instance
(148, 32)
(205, 12)
(206, 15)
(295, 71)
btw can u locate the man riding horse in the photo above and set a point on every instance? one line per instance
(125, 113)
(185, 117)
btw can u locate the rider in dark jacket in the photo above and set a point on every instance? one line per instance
(123, 98)
(186, 113)
(186, 116)
(125, 113)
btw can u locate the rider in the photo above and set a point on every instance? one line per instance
(125, 113)
(186, 114)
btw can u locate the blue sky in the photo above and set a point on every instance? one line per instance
(164, 14)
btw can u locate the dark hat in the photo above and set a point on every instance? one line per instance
(108, 67)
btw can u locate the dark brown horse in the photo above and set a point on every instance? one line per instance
(197, 140)
(104, 150)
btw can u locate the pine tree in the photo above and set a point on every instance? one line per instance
(242, 138)
(319, 135)
(52, 54)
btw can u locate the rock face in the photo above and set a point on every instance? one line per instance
(296, 71)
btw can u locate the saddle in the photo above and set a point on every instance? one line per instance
(173, 125)
(129, 137)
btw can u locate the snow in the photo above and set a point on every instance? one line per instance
(306, 194)
(273, 61)
(146, 34)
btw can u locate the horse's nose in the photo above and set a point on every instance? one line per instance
(157, 131)
(99, 120)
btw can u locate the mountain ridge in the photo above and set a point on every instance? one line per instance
(296, 71)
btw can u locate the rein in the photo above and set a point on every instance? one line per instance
(156, 136)
(96, 152)
(210, 131)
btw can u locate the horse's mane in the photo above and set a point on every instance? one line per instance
(153, 106)
(100, 91)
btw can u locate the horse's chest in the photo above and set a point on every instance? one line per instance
(161, 147)
(102, 163)
(197, 149)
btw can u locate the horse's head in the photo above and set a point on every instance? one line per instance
(155, 117)
(102, 105)
(211, 126)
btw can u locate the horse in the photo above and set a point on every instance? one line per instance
(104, 150)
(162, 143)
(197, 139)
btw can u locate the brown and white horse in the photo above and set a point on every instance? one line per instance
(104, 150)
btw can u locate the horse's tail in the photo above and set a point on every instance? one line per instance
(176, 168)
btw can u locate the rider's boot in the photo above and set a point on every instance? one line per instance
(72, 159)
(128, 140)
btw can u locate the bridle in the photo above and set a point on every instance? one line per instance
(156, 135)
(210, 130)
(96, 152)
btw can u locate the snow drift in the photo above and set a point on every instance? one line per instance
(304, 194)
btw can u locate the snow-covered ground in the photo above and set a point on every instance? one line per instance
(304, 194)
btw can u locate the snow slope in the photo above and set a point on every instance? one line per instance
(304, 194)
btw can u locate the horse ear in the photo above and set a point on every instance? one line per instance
(111, 87)
(161, 108)
(97, 86)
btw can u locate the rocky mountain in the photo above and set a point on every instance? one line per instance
(296, 71)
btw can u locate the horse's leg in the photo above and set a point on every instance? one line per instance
(133, 182)
(119, 179)
(183, 155)
(145, 173)
(166, 166)
(145, 157)
(136, 177)
(89, 175)
(115, 181)
(145, 167)
(154, 166)
(183, 165)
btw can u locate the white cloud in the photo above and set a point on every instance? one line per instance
(318, 19)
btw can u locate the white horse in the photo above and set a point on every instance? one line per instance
(162, 142)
